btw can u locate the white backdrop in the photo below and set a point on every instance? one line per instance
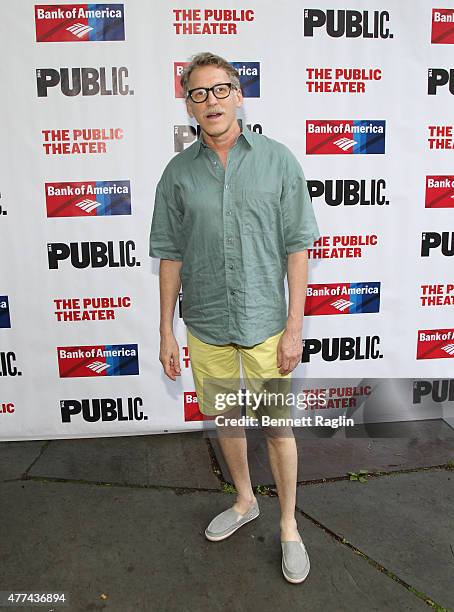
(43, 394)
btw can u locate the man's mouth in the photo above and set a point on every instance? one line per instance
(213, 116)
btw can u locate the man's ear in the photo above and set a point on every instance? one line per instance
(239, 97)
(188, 108)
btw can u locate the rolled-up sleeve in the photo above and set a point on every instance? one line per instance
(300, 224)
(166, 226)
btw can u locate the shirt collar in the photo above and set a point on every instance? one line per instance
(245, 134)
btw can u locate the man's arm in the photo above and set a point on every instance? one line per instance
(169, 286)
(300, 232)
(297, 287)
(290, 347)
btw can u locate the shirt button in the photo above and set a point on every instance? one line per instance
(229, 240)
(226, 186)
(229, 212)
(232, 293)
(231, 266)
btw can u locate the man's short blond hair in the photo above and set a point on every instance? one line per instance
(208, 59)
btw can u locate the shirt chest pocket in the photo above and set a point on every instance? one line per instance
(259, 211)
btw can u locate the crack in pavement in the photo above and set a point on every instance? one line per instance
(377, 474)
(99, 483)
(42, 450)
(375, 564)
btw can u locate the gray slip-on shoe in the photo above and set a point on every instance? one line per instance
(295, 561)
(226, 523)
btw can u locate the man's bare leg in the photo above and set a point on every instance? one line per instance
(233, 442)
(283, 458)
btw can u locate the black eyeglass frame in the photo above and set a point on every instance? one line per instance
(207, 91)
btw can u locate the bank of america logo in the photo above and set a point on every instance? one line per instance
(448, 348)
(79, 22)
(342, 305)
(345, 136)
(345, 143)
(98, 366)
(88, 205)
(79, 29)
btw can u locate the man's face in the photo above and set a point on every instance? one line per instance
(214, 116)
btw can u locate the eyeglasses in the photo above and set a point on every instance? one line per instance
(220, 91)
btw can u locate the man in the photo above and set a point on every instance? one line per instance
(232, 216)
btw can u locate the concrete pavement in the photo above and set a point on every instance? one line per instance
(117, 524)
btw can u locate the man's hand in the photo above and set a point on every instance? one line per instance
(169, 355)
(289, 351)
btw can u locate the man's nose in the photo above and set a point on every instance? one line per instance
(211, 98)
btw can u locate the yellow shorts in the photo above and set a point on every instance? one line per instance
(216, 373)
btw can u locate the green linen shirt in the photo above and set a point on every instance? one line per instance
(232, 229)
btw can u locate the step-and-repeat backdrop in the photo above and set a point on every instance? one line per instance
(361, 92)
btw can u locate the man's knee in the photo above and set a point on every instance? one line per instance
(277, 434)
(227, 426)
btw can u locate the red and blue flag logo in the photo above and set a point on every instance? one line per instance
(95, 361)
(435, 344)
(79, 22)
(88, 199)
(342, 298)
(442, 30)
(349, 137)
(440, 191)
(191, 408)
